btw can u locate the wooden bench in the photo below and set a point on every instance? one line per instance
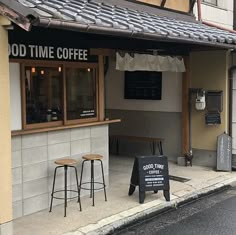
(154, 142)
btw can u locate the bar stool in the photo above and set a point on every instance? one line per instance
(92, 158)
(65, 163)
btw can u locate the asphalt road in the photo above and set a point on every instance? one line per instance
(215, 214)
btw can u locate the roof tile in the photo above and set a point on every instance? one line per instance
(95, 12)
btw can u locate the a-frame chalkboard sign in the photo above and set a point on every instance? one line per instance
(150, 173)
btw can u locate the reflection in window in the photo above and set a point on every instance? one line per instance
(43, 92)
(80, 93)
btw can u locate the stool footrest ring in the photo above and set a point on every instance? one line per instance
(68, 190)
(94, 183)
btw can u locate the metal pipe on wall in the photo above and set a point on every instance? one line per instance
(199, 10)
(234, 23)
(231, 71)
(218, 26)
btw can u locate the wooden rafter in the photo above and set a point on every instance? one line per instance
(163, 2)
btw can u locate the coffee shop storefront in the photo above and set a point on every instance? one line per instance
(55, 115)
(57, 102)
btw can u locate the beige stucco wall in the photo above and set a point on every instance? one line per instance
(209, 70)
(180, 5)
(5, 133)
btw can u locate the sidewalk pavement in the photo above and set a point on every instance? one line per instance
(121, 210)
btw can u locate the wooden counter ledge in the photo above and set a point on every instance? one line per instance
(32, 131)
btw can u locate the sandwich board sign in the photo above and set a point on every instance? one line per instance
(150, 173)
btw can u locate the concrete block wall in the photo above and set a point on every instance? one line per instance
(202, 157)
(33, 165)
(165, 125)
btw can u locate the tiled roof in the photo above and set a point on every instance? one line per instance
(117, 18)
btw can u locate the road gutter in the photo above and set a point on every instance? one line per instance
(148, 210)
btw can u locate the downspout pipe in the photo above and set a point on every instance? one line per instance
(234, 19)
(199, 10)
(231, 71)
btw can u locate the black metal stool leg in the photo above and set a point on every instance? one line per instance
(53, 186)
(92, 179)
(153, 148)
(161, 150)
(91, 182)
(103, 178)
(77, 182)
(65, 169)
(81, 176)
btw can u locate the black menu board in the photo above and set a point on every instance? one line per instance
(150, 173)
(146, 85)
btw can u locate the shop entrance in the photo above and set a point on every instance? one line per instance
(148, 126)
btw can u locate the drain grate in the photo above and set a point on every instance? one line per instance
(177, 178)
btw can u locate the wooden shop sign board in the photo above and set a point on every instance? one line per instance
(150, 173)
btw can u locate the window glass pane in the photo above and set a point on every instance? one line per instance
(43, 92)
(211, 1)
(80, 93)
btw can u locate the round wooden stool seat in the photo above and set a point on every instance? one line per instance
(66, 162)
(91, 157)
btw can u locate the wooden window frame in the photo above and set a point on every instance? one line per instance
(85, 120)
(64, 65)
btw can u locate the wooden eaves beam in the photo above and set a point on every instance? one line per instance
(163, 2)
(18, 13)
(13, 16)
(192, 3)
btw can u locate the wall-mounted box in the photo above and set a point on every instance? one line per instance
(214, 101)
(213, 118)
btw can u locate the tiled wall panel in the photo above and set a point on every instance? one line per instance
(33, 164)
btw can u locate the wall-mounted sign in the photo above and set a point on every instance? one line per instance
(150, 173)
(143, 85)
(22, 51)
(88, 113)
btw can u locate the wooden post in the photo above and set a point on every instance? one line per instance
(101, 101)
(5, 134)
(185, 108)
